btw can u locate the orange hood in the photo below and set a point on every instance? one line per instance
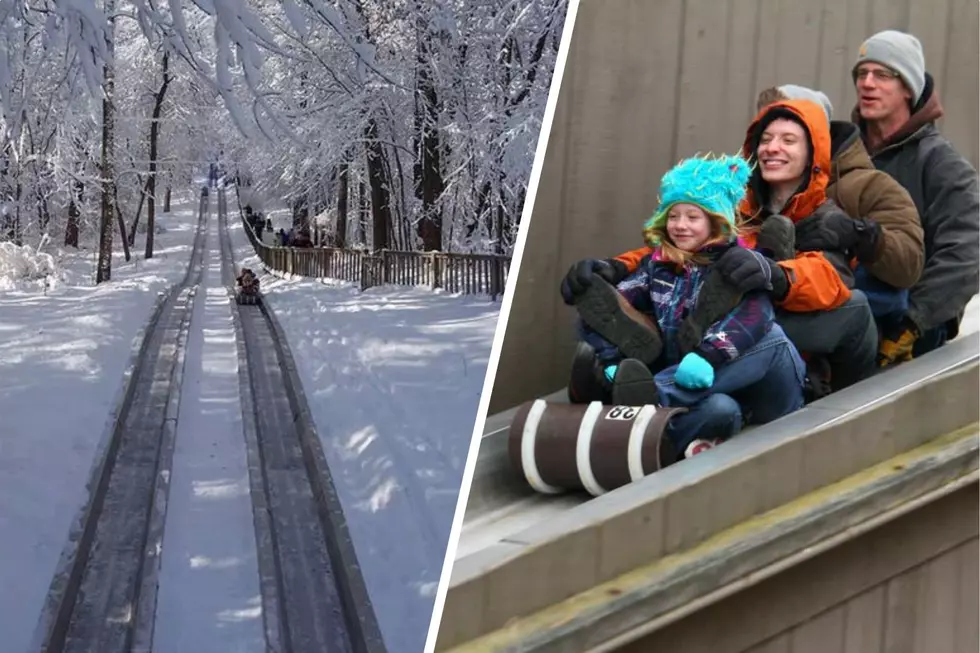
(806, 201)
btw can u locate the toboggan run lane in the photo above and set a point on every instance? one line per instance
(102, 598)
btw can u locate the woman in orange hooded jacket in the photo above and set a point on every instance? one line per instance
(789, 141)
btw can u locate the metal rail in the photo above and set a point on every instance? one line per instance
(313, 594)
(102, 598)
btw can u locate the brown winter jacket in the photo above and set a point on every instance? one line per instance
(864, 192)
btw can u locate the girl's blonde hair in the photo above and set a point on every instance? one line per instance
(722, 231)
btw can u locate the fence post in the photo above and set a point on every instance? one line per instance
(436, 269)
(498, 278)
(367, 273)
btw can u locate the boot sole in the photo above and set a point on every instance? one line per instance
(605, 310)
(634, 385)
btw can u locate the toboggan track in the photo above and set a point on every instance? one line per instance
(313, 593)
(102, 598)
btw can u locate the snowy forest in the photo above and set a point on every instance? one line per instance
(390, 124)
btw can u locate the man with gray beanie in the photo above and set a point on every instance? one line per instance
(795, 92)
(896, 111)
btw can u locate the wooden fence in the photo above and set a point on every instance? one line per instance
(468, 274)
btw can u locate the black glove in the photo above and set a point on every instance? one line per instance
(746, 271)
(580, 275)
(829, 228)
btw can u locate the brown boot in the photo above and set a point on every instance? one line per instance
(716, 299)
(633, 385)
(587, 383)
(604, 309)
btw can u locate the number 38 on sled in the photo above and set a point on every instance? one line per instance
(247, 288)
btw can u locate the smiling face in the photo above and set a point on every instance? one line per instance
(881, 94)
(688, 226)
(783, 152)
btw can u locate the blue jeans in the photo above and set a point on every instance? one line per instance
(763, 384)
(886, 301)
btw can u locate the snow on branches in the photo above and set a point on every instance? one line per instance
(406, 124)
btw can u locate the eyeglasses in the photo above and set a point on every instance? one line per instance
(880, 74)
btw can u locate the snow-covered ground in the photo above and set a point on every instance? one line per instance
(62, 356)
(393, 377)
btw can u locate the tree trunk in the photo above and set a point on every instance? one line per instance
(122, 222)
(43, 214)
(362, 212)
(342, 189)
(428, 170)
(139, 212)
(14, 231)
(500, 224)
(301, 214)
(151, 182)
(104, 272)
(396, 235)
(521, 198)
(380, 197)
(166, 201)
(483, 206)
(404, 220)
(71, 229)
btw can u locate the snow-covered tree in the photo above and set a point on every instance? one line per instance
(396, 123)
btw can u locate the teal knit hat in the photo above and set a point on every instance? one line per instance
(716, 184)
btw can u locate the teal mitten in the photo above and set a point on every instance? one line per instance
(610, 372)
(694, 372)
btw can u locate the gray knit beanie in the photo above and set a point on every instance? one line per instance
(794, 92)
(902, 53)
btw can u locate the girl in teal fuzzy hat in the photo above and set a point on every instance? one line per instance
(699, 200)
(647, 349)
